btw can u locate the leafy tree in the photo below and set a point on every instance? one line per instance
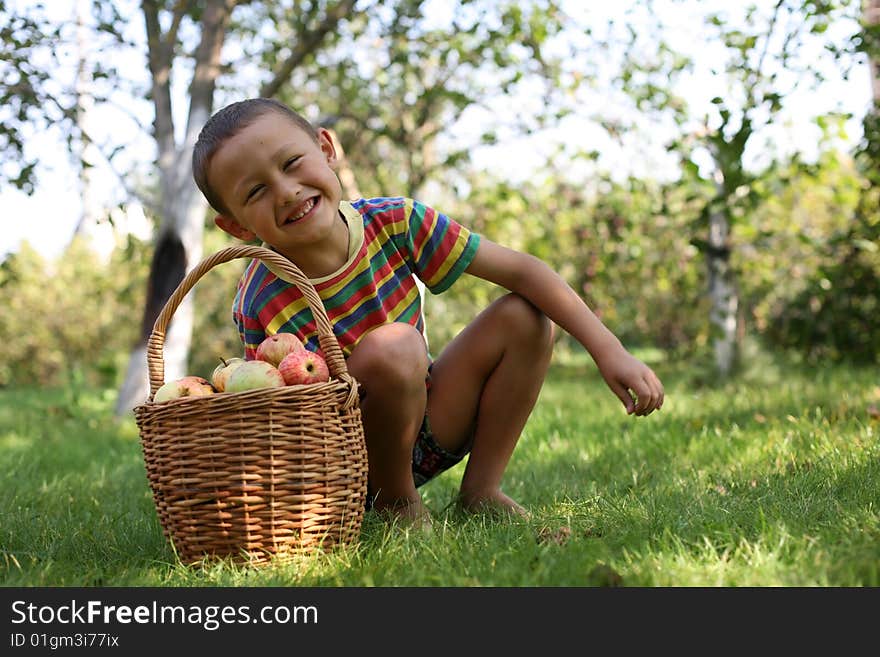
(835, 315)
(622, 245)
(764, 64)
(61, 320)
(27, 100)
(404, 78)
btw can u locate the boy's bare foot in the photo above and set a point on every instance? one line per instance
(495, 504)
(406, 513)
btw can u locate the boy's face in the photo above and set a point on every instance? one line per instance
(278, 184)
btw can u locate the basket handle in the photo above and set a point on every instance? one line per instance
(326, 338)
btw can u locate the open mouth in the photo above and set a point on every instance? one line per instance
(303, 211)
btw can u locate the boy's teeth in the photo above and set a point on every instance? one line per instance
(299, 215)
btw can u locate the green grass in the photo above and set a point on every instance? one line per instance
(773, 480)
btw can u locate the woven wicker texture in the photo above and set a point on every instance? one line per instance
(261, 474)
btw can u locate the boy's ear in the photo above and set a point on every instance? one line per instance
(327, 142)
(231, 226)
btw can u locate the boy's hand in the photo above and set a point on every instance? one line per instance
(633, 382)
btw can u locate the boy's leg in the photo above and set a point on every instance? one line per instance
(390, 363)
(484, 385)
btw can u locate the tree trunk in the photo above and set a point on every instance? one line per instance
(723, 295)
(179, 242)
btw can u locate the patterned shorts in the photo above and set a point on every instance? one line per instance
(429, 458)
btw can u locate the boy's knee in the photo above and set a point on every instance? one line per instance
(392, 355)
(524, 322)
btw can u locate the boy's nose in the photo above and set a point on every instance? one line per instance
(288, 194)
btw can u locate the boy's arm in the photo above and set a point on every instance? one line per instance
(532, 279)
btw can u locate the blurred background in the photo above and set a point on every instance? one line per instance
(705, 174)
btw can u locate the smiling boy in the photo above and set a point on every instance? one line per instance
(271, 176)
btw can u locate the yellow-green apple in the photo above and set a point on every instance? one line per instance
(304, 367)
(221, 373)
(253, 374)
(187, 386)
(275, 347)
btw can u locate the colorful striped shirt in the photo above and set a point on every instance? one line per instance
(391, 240)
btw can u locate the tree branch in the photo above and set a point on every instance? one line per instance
(756, 72)
(215, 18)
(306, 46)
(181, 8)
(159, 59)
(107, 157)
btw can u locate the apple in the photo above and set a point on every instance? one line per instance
(304, 367)
(275, 347)
(187, 386)
(253, 374)
(221, 373)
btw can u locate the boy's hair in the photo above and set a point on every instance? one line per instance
(226, 123)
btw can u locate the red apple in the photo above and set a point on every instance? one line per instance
(221, 373)
(275, 347)
(304, 367)
(253, 374)
(187, 386)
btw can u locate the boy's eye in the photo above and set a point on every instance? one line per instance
(290, 161)
(254, 191)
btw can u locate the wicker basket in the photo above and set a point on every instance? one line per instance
(259, 474)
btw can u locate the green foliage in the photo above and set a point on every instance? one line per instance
(812, 284)
(391, 108)
(74, 320)
(835, 317)
(759, 44)
(25, 96)
(625, 249)
(807, 270)
(70, 321)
